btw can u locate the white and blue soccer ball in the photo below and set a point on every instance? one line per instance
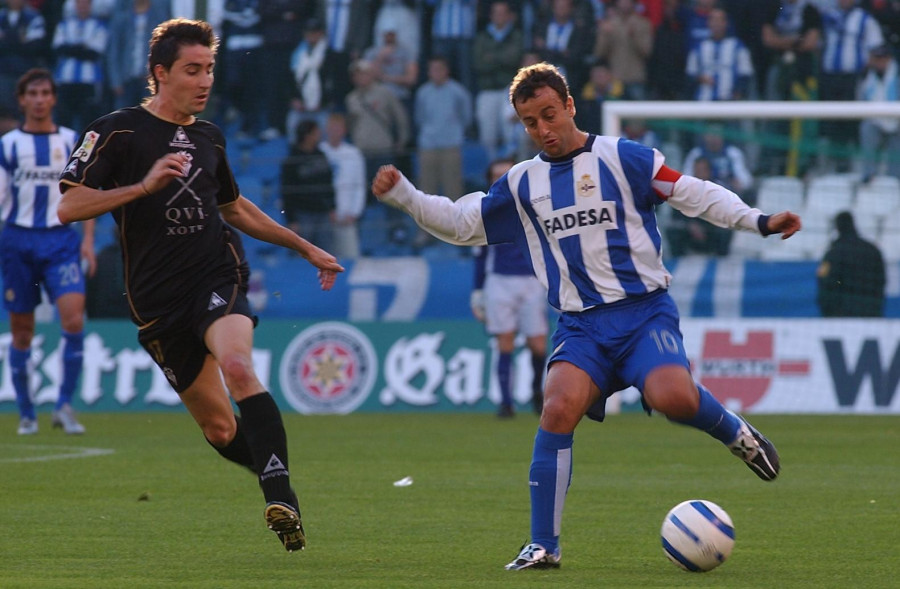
(697, 535)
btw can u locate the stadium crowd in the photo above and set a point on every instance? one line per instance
(423, 83)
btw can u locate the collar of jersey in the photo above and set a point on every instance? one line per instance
(564, 158)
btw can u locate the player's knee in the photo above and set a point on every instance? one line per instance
(220, 431)
(558, 415)
(237, 370)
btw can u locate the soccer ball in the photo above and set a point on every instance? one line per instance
(697, 535)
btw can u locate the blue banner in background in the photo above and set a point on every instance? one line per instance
(415, 288)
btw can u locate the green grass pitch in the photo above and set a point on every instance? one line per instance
(831, 520)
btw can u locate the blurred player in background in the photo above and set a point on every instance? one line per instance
(583, 212)
(37, 250)
(165, 177)
(509, 300)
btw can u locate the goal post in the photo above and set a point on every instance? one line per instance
(615, 111)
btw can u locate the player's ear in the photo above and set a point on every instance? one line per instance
(570, 106)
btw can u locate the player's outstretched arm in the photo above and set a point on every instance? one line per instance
(458, 222)
(786, 223)
(248, 218)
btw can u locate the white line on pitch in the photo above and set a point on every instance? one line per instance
(71, 452)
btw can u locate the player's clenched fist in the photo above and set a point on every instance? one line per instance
(386, 178)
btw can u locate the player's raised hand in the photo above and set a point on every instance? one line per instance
(169, 166)
(386, 178)
(786, 223)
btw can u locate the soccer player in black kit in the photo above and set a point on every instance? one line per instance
(164, 176)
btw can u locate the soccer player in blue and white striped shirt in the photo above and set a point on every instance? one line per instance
(582, 211)
(36, 249)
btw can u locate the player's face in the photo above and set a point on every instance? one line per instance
(550, 122)
(187, 85)
(38, 101)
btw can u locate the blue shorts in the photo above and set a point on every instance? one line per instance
(30, 258)
(619, 344)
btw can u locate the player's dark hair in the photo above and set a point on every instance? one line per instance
(36, 74)
(533, 77)
(169, 37)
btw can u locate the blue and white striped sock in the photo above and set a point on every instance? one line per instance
(713, 418)
(549, 479)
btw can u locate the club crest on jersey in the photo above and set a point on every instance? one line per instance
(181, 139)
(586, 186)
(84, 152)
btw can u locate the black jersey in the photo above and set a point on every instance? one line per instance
(174, 240)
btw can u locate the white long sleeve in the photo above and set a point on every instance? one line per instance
(713, 203)
(458, 222)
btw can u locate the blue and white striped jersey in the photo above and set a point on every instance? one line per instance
(586, 222)
(849, 36)
(727, 62)
(30, 167)
(73, 41)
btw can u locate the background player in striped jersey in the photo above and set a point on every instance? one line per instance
(37, 250)
(509, 299)
(582, 210)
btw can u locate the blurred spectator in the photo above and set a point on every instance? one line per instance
(499, 51)
(442, 113)
(625, 41)
(348, 27)
(851, 275)
(566, 41)
(379, 125)
(395, 66)
(307, 188)
(212, 11)
(720, 66)
(727, 161)
(882, 135)
(23, 39)
(452, 32)
(850, 34)
(242, 61)
(349, 170)
(397, 16)
(887, 13)
(129, 43)
(309, 64)
(688, 235)
(601, 86)
(637, 130)
(102, 9)
(792, 33)
(696, 21)
(281, 24)
(668, 59)
(79, 45)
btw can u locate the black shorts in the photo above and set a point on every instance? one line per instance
(175, 341)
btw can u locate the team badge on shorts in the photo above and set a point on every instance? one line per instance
(328, 368)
